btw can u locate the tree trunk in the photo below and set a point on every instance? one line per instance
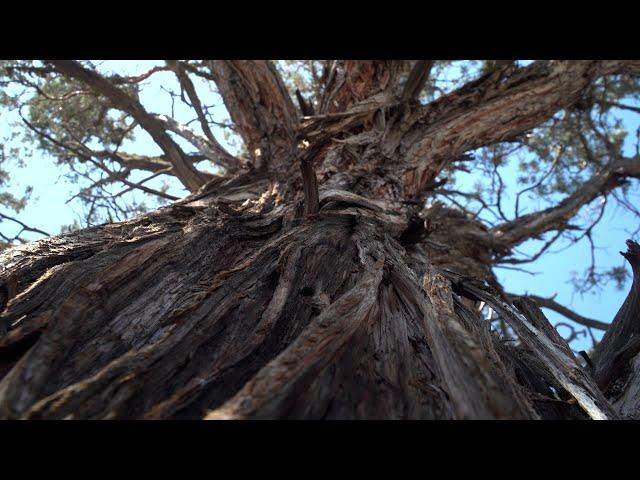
(200, 310)
(236, 303)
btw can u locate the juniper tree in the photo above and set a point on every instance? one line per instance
(329, 267)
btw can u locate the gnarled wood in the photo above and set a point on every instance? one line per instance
(615, 357)
(231, 304)
(351, 81)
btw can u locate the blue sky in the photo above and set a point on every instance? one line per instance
(49, 210)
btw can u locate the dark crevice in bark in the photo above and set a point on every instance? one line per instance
(10, 354)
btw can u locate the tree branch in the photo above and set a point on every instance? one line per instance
(535, 224)
(208, 147)
(551, 304)
(117, 79)
(24, 226)
(417, 79)
(145, 162)
(259, 105)
(126, 160)
(532, 258)
(621, 343)
(497, 106)
(139, 185)
(184, 170)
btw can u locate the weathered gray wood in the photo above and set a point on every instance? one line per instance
(560, 363)
(616, 357)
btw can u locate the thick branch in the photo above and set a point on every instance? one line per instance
(621, 343)
(351, 81)
(500, 105)
(417, 79)
(259, 105)
(184, 170)
(557, 359)
(145, 162)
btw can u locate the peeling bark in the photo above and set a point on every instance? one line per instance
(617, 355)
(352, 81)
(191, 312)
(259, 105)
(232, 304)
(476, 379)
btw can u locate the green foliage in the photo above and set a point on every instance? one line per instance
(554, 160)
(10, 202)
(60, 119)
(69, 113)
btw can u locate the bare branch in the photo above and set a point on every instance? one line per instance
(145, 162)
(84, 152)
(539, 182)
(117, 79)
(24, 226)
(533, 258)
(145, 180)
(551, 304)
(127, 160)
(534, 224)
(151, 191)
(621, 106)
(417, 79)
(209, 148)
